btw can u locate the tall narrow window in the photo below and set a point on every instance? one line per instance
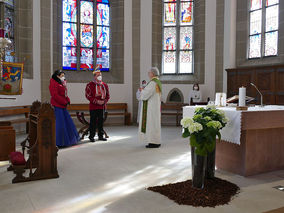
(86, 33)
(263, 32)
(7, 23)
(177, 37)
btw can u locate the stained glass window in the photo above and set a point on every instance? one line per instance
(9, 31)
(178, 36)
(86, 37)
(264, 24)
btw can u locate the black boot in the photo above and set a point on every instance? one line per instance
(102, 139)
(92, 139)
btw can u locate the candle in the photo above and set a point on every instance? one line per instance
(242, 96)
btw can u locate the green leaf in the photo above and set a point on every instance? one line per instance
(185, 133)
(201, 151)
(219, 135)
(193, 141)
(210, 146)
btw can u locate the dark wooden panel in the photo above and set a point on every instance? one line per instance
(280, 81)
(269, 80)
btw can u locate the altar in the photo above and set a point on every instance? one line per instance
(253, 140)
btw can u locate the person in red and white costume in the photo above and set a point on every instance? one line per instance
(97, 93)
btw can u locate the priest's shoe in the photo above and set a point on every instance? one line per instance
(152, 145)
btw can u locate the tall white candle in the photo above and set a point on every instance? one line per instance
(242, 96)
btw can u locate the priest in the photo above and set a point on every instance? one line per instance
(150, 118)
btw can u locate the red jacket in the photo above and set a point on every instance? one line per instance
(58, 94)
(90, 92)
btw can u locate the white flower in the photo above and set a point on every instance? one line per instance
(195, 127)
(186, 122)
(214, 124)
(211, 107)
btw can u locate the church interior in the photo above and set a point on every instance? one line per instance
(131, 106)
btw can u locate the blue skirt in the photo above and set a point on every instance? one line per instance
(66, 132)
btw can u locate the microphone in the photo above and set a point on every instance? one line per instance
(261, 96)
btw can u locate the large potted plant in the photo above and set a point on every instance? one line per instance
(203, 129)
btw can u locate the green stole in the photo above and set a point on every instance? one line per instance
(145, 105)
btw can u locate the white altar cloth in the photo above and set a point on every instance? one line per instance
(232, 131)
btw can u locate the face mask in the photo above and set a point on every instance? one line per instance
(144, 85)
(100, 78)
(62, 78)
(195, 88)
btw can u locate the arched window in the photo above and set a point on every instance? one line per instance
(263, 31)
(85, 37)
(177, 37)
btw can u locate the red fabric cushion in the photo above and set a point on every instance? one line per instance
(17, 158)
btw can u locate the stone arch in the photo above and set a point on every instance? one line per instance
(175, 96)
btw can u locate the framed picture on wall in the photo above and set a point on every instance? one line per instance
(12, 79)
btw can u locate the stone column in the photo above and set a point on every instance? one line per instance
(45, 19)
(219, 45)
(136, 11)
(24, 35)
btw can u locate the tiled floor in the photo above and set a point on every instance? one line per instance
(112, 176)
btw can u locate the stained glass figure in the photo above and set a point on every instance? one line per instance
(87, 58)
(69, 57)
(10, 52)
(255, 46)
(255, 22)
(186, 13)
(87, 34)
(103, 59)
(9, 23)
(103, 14)
(271, 43)
(169, 14)
(255, 4)
(169, 62)
(103, 1)
(87, 12)
(272, 14)
(69, 10)
(103, 37)
(185, 38)
(169, 38)
(69, 34)
(271, 2)
(185, 62)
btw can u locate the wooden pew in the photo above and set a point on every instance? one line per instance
(41, 147)
(17, 110)
(173, 109)
(198, 103)
(112, 109)
(7, 140)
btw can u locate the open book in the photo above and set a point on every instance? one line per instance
(235, 99)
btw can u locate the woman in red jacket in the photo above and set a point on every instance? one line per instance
(66, 132)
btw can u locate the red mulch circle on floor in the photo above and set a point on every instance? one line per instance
(215, 192)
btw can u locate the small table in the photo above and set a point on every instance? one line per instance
(260, 145)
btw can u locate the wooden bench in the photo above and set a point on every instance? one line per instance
(112, 109)
(198, 103)
(16, 110)
(40, 145)
(173, 109)
(7, 141)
